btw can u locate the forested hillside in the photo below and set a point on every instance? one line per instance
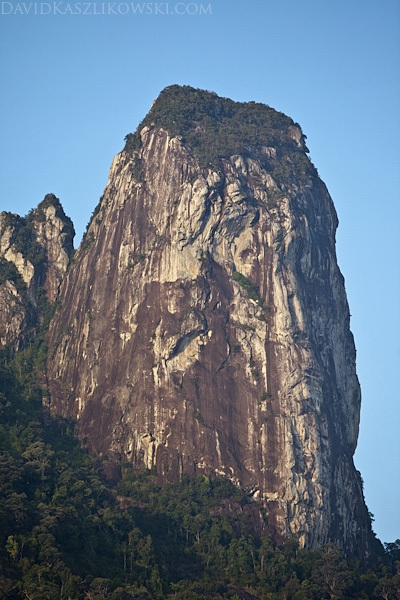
(67, 533)
(201, 329)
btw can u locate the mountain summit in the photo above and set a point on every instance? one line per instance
(203, 326)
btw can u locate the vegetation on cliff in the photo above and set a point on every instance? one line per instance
(24, 239)
(67, 533)
(9, 272)
(24, 235)
(50, 200)
(215, 128)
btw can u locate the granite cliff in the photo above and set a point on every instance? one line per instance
(203, 325)
(34, 255)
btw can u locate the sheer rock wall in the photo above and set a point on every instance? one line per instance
(35, 253)
(204, 328)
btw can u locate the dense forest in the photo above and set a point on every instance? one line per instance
(70, 531)
(215, 128)
(66, 532)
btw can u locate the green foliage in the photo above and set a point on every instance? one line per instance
(32, 358)
(9, 272)
(87, 240)
(38, 214)
(50, 200)
(132, 140)
(198, 417)
(24, 236)
(11, 220)
(95, 211)
(251, 289)
(46, 309)
(67, 533)
(24, 241)
(217, 128)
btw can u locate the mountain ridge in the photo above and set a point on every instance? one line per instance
(157, 325)
(202, 326)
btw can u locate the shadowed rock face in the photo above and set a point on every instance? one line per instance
(204, 328)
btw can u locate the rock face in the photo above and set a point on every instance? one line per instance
(34, 255)
(54, 232)
(13, 316)
(204, 326)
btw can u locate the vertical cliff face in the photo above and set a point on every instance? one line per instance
(34, 255)
(54, 233)
(14, 313)
(204, 326)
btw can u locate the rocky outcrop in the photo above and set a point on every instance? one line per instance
(54, 233)
(13, 316)
(204, 326)
(34, 255)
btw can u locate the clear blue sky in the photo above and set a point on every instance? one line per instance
(73, 85)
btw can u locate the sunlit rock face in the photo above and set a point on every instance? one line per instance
(34, 255)
(54, 232)
(204, 328)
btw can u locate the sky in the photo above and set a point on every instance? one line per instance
(76, 78)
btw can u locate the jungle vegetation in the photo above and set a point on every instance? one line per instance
(216, 128)
(68, 533)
